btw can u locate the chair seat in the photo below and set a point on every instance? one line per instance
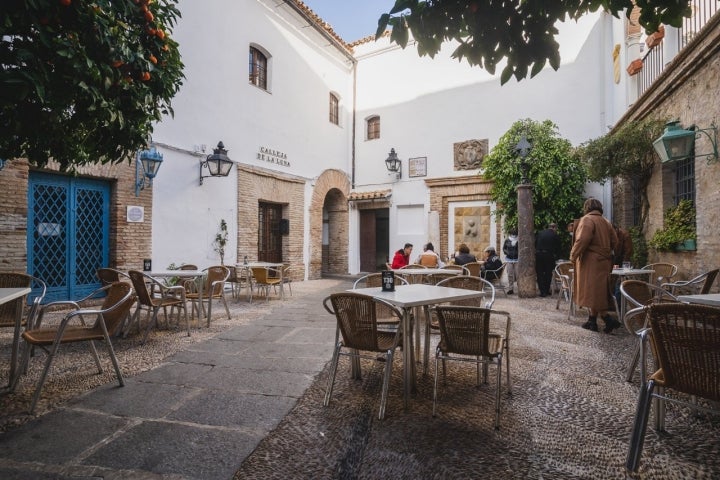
(72, 333)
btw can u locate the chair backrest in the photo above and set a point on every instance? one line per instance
(686, 338)
(187, 266)
(639, 293)
(215, 278)
(473, 268)
(8, 310)
(563, 268)
(107, 275)
(412, 265)
(356, 319)
(139, 282)
(429, 260)
(455, 267)
(709, 280)
(260, 274)
(495, 276)
(464, 330)
(117, 303)
(375, 280)
(664, 272)
(471, 283)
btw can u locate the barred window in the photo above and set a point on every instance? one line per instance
(258, 68)
(334, 109)
(373, 128)
(685, 180)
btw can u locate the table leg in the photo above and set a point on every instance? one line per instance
(408, 356)
(16, 342)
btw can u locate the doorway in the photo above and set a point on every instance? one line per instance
(374, 239)
(269, 235)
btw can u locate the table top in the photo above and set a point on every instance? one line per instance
(175, 273)
(258, 264)
(426, 271)
(10, 294)
(712, 299)
(631, 271)
(419, 294)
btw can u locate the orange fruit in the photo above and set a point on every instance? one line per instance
(152, 58)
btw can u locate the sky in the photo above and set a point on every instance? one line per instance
(351, 19)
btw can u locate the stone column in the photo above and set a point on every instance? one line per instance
(527, 278)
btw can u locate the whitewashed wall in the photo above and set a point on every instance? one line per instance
(217, 102)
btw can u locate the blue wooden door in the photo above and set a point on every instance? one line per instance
(68, 233)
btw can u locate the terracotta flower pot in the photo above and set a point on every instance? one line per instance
(654, 40)
(635, 67)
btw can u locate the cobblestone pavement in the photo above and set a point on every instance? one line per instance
(569, 417)
(245, 397)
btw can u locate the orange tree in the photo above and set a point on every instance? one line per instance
(521, 31)
(83, 81)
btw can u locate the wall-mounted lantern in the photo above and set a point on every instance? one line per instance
(149, 162)
(394, 164)
(217, 163)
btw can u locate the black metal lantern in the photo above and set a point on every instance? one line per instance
(523, 148)
(218, 163)
(394, 164)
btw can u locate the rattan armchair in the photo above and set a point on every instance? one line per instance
(473, 268)
(460, 281)
(264, 279)
(466, 335)
(495, 277)
(697, 285)
(213, 288)
(663, 272)
(173, 297)
(385, 316)
(563, 281)
(108, 320)
(638, 294)
(686, 341)
(357, 332)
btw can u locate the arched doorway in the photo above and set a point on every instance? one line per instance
(335, 233)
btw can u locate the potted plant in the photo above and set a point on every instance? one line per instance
(678, 232)
(221, 239)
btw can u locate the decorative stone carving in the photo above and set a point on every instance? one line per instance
(470, 154)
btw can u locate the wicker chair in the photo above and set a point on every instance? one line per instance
(698, 285)
(664, 272)
(12, 315)
(495, 277)
(473, 268)
(461, 268)
(686, 340)
(385, 316)
(459, 281)
(466, 335)
(358, 327)
(638, 294)
(110, 275)
(213, 288)
(562, 278)
(173, 297)
(108, 320)
(264, 280)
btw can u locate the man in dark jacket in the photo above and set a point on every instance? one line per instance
(547, 251)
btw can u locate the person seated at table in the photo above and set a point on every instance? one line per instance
(429, 258)
(402, 256)
(464, 256)
(490, 262)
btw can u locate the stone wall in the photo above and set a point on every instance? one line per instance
(687, 90)
(328, 181)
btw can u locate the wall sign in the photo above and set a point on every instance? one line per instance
(135, 214)
(273, 156)
(417, 167)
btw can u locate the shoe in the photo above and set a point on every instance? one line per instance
(543, 295)
(510, 292)
(610, 324)
(589, 325)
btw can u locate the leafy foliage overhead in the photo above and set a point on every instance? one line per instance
(521, 31)
(557, 176)
(83, 81)
(626, 153)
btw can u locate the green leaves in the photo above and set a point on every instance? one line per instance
(558, 176)
(519, 31)
(83, 86)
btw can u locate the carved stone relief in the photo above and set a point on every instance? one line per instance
(470, 154)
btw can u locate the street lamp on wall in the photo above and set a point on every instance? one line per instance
(217, 163)
(677, 143)
(394, 164)
(147, 165)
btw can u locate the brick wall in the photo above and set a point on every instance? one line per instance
(329, 180)
(129, 242)
(260, 185)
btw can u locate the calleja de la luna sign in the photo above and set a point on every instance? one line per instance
(273, 156)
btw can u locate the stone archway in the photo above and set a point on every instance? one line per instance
(330, 194)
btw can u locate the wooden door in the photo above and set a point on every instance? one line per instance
(368, 252)
(269, 237)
